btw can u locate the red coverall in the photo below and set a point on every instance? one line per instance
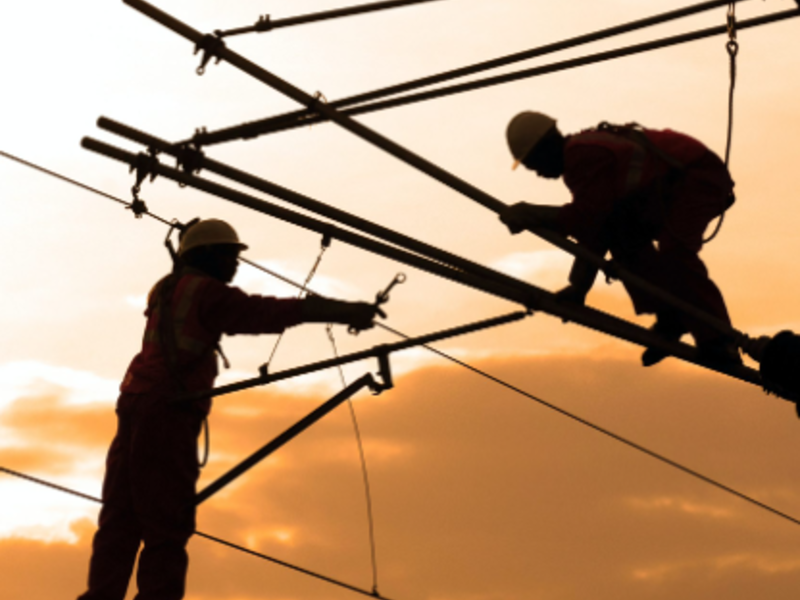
(152, 465)
(626, 195)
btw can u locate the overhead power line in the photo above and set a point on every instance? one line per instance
(580, 420)
(266, 24)
(208, 536)
(299, 118)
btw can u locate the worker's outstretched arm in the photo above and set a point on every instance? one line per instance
(358, 315)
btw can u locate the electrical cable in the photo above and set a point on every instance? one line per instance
(201, 534)
(266, 24)
(486, 375)
(207, 138)
(128, 205)
(364, 472)
(285, 122)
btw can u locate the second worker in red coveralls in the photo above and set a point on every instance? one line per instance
(152, 466)
(646, 196)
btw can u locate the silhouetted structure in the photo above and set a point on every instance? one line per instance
(647, 197)
(152, 466)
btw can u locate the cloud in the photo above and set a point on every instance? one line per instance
(481, 493)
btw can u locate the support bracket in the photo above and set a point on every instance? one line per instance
(211, 45)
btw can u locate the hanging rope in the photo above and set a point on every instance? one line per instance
(364, 473)
(732, 47)
(326, 242)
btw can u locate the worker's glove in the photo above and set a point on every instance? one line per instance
(362, 316)
(522, 216)
(356, 315)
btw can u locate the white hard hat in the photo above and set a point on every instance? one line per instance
(525, 131)
(209, 232)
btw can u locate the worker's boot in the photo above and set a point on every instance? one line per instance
(719, 352)
(581, 280)
(669, 326)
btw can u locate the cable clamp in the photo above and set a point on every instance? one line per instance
(263, 24)
(384, 372)
(211, 45)
(137, 205)
(189, 158)
(145, 166)
(318, 99)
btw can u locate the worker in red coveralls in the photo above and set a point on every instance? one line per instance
(152, 465)
(646, 196)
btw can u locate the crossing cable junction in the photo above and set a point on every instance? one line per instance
(190, 160)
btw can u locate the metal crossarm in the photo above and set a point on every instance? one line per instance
(612, 269)
(421, 163)
(511, 289)
(379, 352)
(294, 119)
(285, 437)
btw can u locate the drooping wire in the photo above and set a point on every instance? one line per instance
(364, 472)
(326, 242)
(732, 47)
(201, 534)
(490, 377)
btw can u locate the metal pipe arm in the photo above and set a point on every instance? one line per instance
(198, 160)
(522, 293)
(267, 24)
(375, 352)
(285, 437)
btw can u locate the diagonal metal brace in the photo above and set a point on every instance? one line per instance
(288, 435)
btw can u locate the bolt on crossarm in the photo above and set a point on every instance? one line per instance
(520, 292)
(383, 350)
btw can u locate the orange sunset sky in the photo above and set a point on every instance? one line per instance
(479, 493)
